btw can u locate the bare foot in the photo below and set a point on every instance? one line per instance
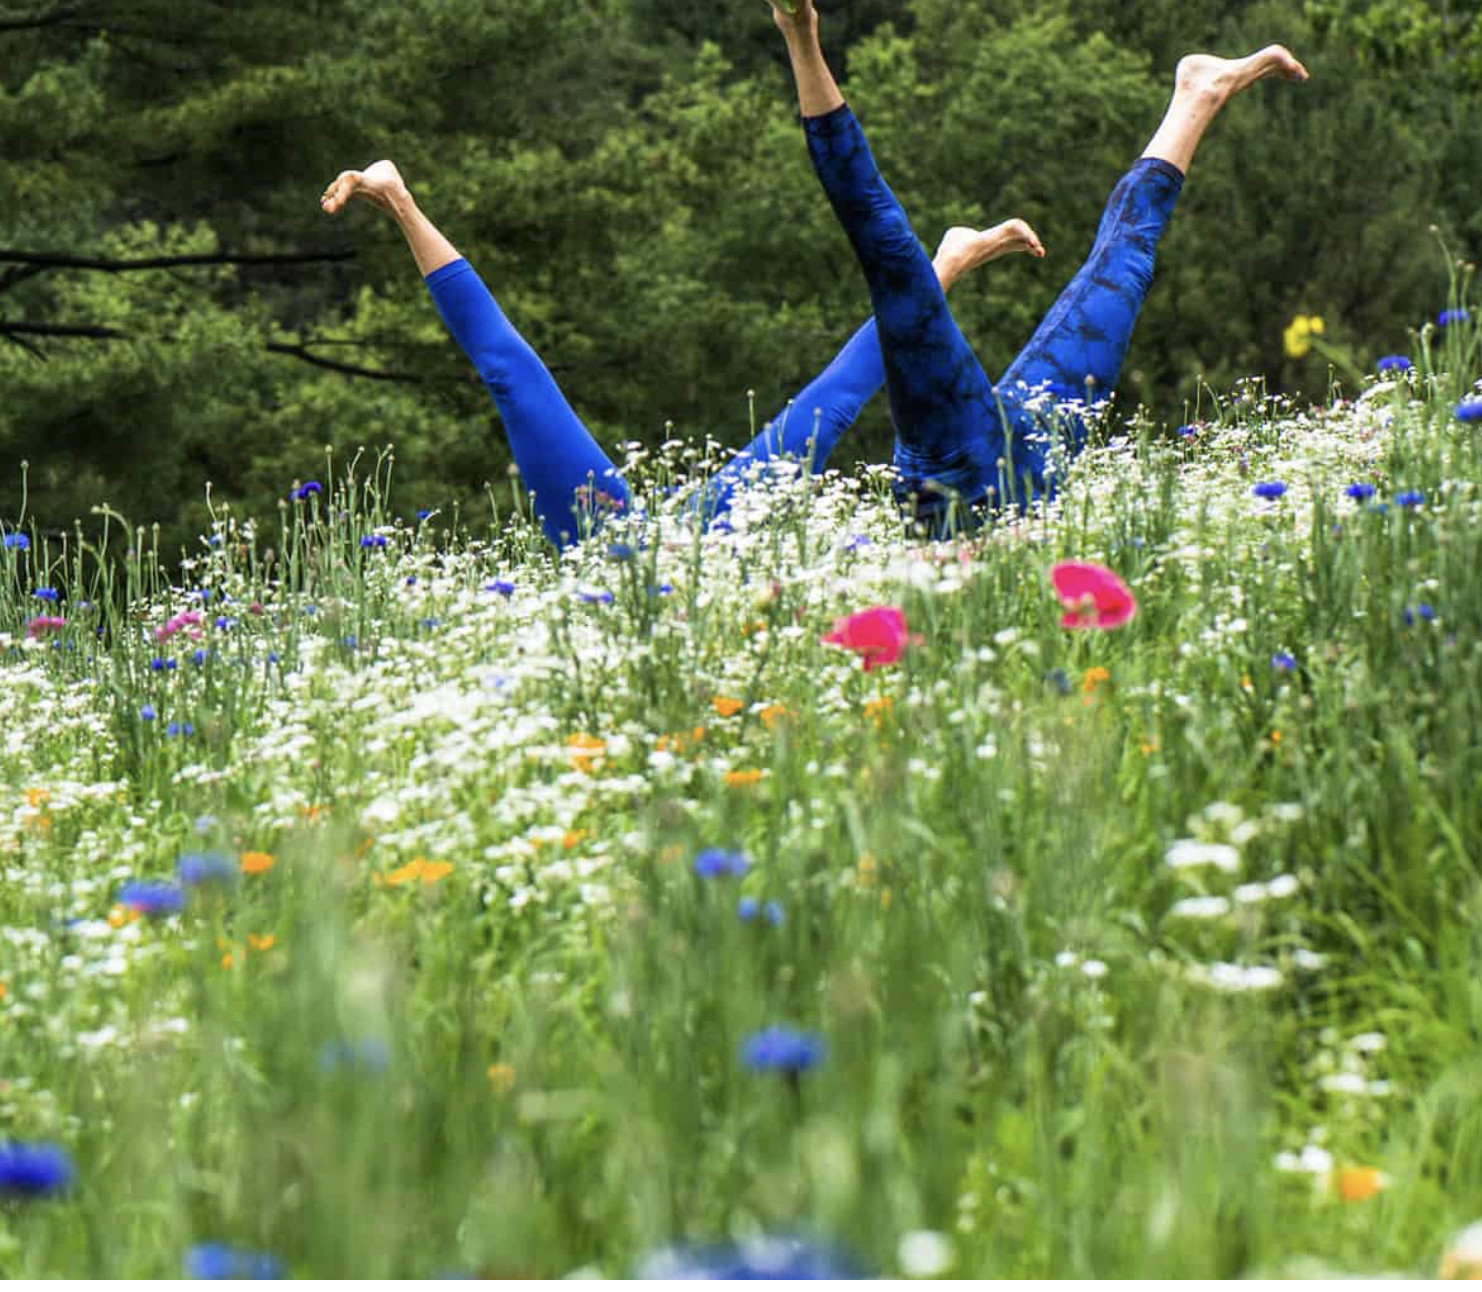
(379, 183)
(1219, 79)
(963, 249)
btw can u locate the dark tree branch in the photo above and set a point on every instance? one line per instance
(348, 369)
(84, 330)
(35, 21)
(42, 260)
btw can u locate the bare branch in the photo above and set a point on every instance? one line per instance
(35, 21)
(42, 260)
(86, 331)
(348, 369)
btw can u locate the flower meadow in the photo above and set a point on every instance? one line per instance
(1095, 894)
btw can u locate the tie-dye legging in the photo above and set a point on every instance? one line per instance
(957, 435)
(574, 482)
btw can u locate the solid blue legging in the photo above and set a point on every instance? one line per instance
(957, 435)
(574, 482)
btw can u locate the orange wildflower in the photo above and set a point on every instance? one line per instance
(419, 868)
(121, 915)
(35, 798)
(743, 777)
(502, 1077)
(1276, 737)
(1150, 746)
(265, 942)
(727, 705)
(573, 837)
(254, 863)
(1360, 1183)
(588, 748)
(1094, 677)
(228, 960)
(880, 709)
(775, 713)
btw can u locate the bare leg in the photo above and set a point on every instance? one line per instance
(1202, 86)
(381, 185)
(818, 94)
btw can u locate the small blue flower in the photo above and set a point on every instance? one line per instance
(602, 598)
(161, 665)
(1394, 363)
(620, 552)
(765, 1256)
(430, 622)
(218, 1261)
(307, 488)
(1447, 317)
(1410, 498)
(858, 543)
(1058, 680)
(369, 1054)
(18, 542)
(46, 594)
(272, 657)
(1469, 411)
(781, 1049)
(350, 641)
(198, 656)
(151, 897)
(146, 711)
(748, 908)
(223, 622)
(661, 590)
(1283, 662)
(1423, 611)
(205, 823)
(411, 580)
(423, 513)
(502, 586)
(197, 868)
(373, 540)
(33, 1170)
(1269, 489)
(717, 863)
(180, 729)
(1188, 432)
(1360, 491)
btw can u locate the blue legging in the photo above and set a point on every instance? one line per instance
(957, 435)
(574, 482)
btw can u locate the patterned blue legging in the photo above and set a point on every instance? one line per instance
(957, 435)
(574, 482)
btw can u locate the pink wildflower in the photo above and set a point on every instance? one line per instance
(878, 634)
(186, 619)
(45, 624)
(1093, 596)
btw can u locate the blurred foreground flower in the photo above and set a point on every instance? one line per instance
(781, 1049)
(1093, 596)
(717, 863)
(149, 897)
(1463, 1256)
(218, 1261)
(879, 635)
(1299, 333)
(369, 1054)
(1469, 411)
(1269, 489)
(1394, 363)
(33, 1170)
(762, 1257)
(1447, 317)
(196, 868)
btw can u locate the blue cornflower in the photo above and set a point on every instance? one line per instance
(1394, 363)
(308, 487)
(46, 594)
(198, 656)
(411, 580)
(1058, 680)
(19, 542)
(1410, 498)
(180, 729)
(205, 823)
(602, 598)
(1269, 489)
(161, 665)
(1284, 662)
(661, 590)
(151, 897)
(781, 1049)
(373, 540)
(218, 1261)
(1188, 432)
(857, 543)
(33, 1170)
(146, 711)
(717, 863)
(430, 622)
(722, 525)
(1423, 611)
(748, 908)
(350, 641)
(764, 1256)
(272, 657)
(196, 868)
(223, 622)
(1469, 411)
(502, 586)
(620, 552)
(1447, 317)
(1360, 491)
(369, 1054)
(423, 513)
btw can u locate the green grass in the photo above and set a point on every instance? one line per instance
(1037, 1046)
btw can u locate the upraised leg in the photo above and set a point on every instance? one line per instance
(574, 482)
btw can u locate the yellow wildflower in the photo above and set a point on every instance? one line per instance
(573, 837)
(773, 714)
(1299, 333)
(868, 870)
(228, 960)
(265, 942)
(121, 915)
(588, 748)
(419, 868)
(1359, 1183)
(502, 1077)
(254, 863)
(35, 798)
(727, 705)
(1094, 677)
(878, 710)
(743, 777)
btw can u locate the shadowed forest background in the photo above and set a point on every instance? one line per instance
(629, 178)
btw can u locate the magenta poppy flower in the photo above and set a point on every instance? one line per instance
(1093, 596)
(878, 634)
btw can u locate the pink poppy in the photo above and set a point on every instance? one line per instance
(1093, 596)
(878, 634)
